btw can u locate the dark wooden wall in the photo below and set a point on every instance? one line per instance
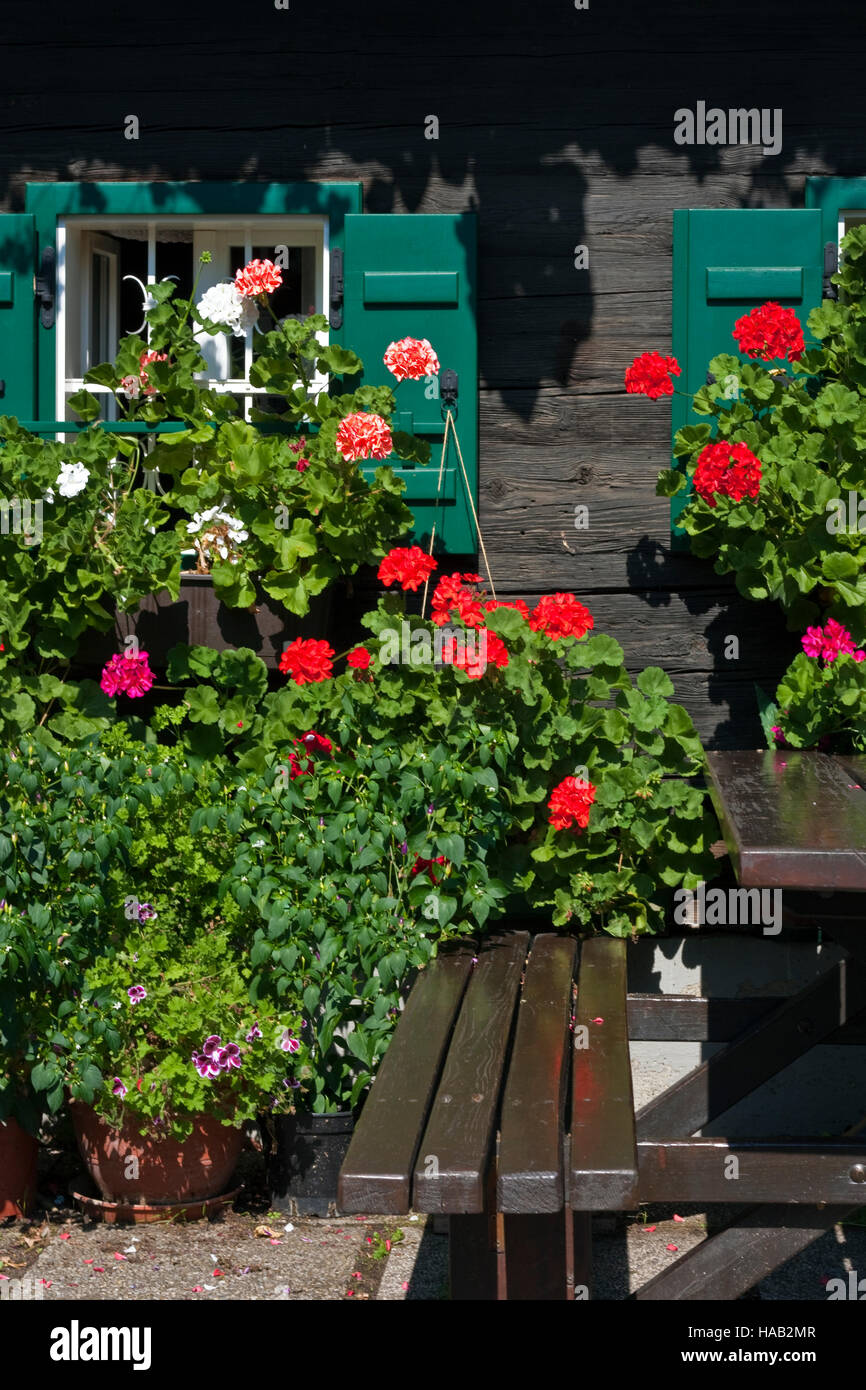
(556, 125)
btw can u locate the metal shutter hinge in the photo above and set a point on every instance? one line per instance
(45, 286)
(336, 315)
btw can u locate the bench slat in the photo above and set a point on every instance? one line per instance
(603, 1154)
(376, 1173)
(531, 1130)
(791, 819)
(452, 1162)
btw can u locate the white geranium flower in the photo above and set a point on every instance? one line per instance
(223, 304)
(72, 480)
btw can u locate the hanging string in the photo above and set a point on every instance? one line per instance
(450, 427)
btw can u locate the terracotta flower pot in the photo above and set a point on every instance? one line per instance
(130, 1167)
(18, 1151)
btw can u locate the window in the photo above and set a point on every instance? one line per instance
(374, 276)
(106, 263)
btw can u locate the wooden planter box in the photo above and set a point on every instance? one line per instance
(198, 618)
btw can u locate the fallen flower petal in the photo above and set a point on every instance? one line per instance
(597, 1020)
(65, 1236)
(198, 1288)
(678, 1218)
(672, 1247)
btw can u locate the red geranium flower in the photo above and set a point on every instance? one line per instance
(144, 360)
(359, 658)
(561, 615)
(452, 595)
(364, 436)
(474, 657)
(307, 660)
(311, 743)
(493, 603)
(408, 567)
(570, 803)
(770, 331)
(727, 470)
(425, 866)
(257, 278)
(411, 357)
(650, 375)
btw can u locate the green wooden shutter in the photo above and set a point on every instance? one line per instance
(17, 314)
(726, 261)
(413, 276)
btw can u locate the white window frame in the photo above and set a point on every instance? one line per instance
(309, 229)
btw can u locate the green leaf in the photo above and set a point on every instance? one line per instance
(654, 681)
(84, 404)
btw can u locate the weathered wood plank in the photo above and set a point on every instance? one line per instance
(453, 1159)
(376, 1173)
(531, 1133)
(719, 1170)
(602, 1160)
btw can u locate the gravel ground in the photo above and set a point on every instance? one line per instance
(251, 1253)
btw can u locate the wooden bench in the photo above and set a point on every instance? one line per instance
(505, 1099)
(505, 1102)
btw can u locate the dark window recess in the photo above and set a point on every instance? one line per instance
(133, 261)
(174, 258)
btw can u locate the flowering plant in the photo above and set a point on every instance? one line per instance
(821, 699)
(774, 471)
(69, 826)
(592, 766)
(277, 507)
(188, 1043)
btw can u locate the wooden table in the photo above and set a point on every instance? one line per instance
(792, 821)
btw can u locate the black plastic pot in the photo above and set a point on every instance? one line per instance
(304, 1154)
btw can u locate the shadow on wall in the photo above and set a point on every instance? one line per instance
(542, 117)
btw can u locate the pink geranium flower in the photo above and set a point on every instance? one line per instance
(364, 436)
(126, 674)
(829, 642)
(258, 278)
(411, 358)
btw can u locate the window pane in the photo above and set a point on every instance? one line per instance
(174, 258)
